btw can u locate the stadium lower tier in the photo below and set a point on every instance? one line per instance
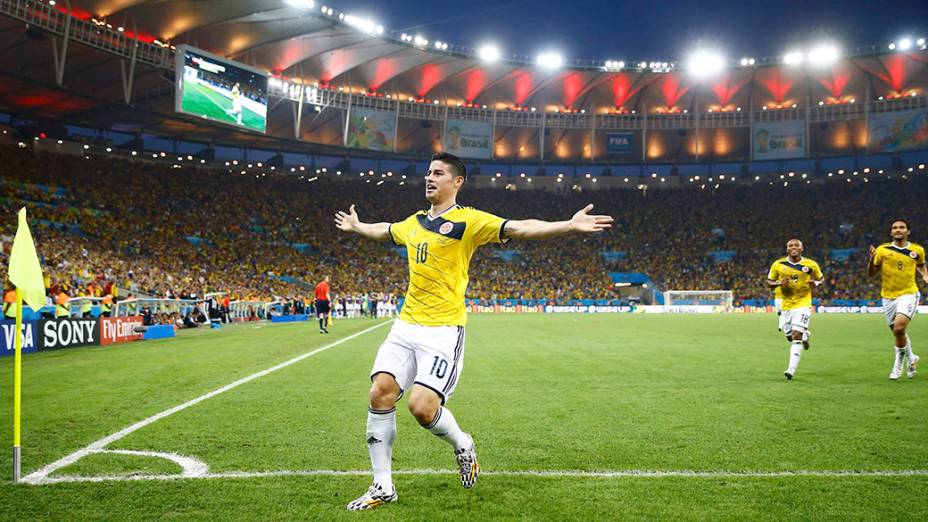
(153, 229)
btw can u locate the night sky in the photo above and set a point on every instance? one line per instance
(649, 30)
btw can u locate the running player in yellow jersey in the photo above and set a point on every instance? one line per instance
(424, 352)
(795, 277)
(898, 262)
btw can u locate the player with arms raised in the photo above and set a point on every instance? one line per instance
(795, 277)
(424, 353)
(898, 262)
(236, 111)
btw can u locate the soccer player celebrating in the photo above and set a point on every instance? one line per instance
(897, 262)
(795, 277)
(237, 103)
(323, 303)
(424, 353)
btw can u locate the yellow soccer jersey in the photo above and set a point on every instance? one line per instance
(897, 266)
(796, 293)
(439, 252)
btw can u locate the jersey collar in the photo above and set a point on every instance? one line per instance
(430, 217)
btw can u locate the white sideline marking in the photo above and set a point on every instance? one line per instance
(632, 473)
(42, 474)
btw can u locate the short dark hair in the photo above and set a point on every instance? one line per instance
(900, 221)
(456, 164)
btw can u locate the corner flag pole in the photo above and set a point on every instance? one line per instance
(17, 386)
(25, 272)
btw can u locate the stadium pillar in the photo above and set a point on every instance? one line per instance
(396, 124)
(751, 123)
(696, 117)
(593, 138)
(644, 134)
(61, 58)
(298, 114)
(493, 135)
(347, 119)
(867, 97)
(808, 116)
(128, 79)
(541, 136)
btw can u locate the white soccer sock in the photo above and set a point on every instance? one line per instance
(445, 426)
(900, 356)
(795, 352)
(381, 430)
(908, 348)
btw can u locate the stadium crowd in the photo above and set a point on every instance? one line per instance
(146, 228)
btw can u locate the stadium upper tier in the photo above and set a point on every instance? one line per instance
(326, 67)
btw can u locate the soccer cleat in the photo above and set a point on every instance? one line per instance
(896, 373)
(467, 465)
(374, 498)
(789, 375)
(325, 330)
(913, 366)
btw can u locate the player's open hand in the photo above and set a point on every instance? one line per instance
(871, 251)
(347, 221)
(583, 221)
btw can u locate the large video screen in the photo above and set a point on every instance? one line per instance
(216, 89)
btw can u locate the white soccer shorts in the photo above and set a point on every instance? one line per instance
(432, 356)
(796, 319)
(906, 305)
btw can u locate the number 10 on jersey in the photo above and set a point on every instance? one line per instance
(422, 252)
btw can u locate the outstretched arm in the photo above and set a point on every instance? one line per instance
(537, 229)
(349, 222)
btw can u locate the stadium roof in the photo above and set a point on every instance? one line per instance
(319, 49)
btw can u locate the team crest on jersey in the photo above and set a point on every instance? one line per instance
(913, 255)
(446, 228)
(805, 269)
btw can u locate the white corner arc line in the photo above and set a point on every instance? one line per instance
(604, 474)
(41, 475)
(192, 467)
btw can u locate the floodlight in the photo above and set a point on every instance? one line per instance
(824, 54)
(550, 60)
(705, 63)
(489, 53)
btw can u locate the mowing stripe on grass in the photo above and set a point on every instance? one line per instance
(40, 476)
(631, 473)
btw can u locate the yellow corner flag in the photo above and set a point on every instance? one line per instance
(26, 273)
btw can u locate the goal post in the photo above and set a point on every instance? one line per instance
(721, 298)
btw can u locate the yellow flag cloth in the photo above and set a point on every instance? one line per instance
(25, 271)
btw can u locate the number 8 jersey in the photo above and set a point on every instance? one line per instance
(439, 250)
(897, 265)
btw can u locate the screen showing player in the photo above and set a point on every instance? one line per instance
(216, 89)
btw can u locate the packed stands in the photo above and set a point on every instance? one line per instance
(149, 228)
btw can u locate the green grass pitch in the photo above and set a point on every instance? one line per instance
(199, 100)
(549, 393)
